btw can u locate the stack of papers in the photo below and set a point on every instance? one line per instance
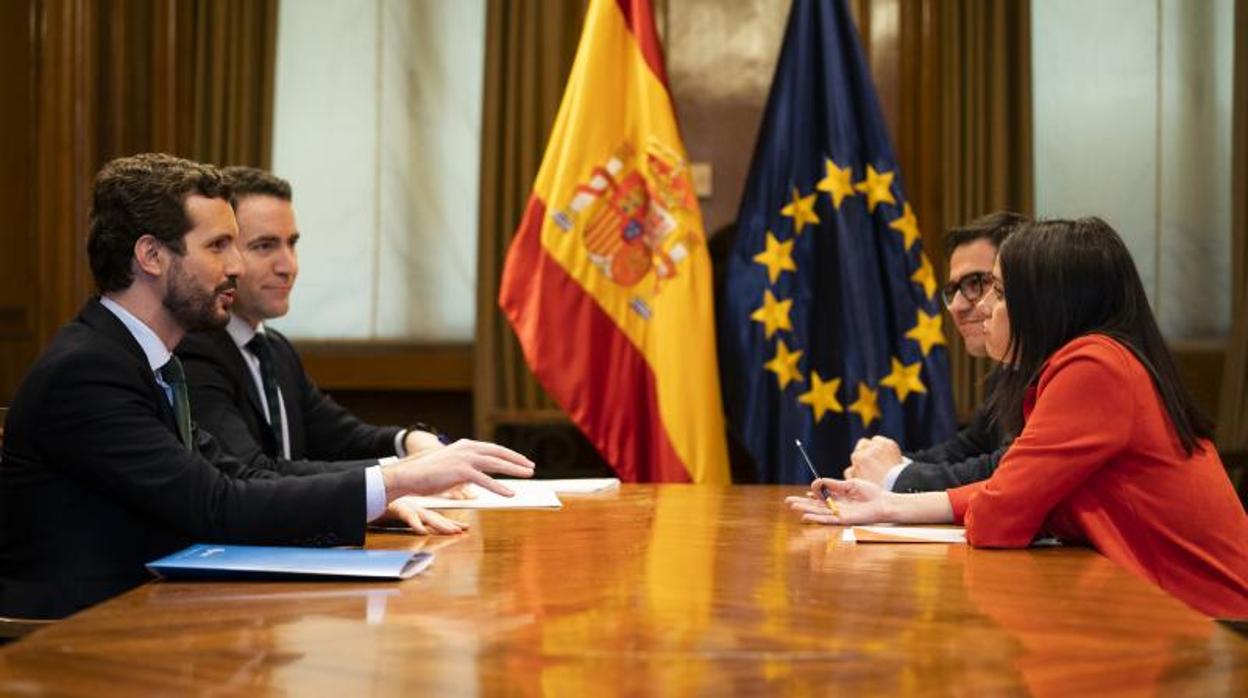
(903, 534)
(586, 485)
(530, 494)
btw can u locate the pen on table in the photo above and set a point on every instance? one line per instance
(823, 489)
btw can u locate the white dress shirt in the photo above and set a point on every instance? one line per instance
(153, 348)
(890, 478)
(241, 333)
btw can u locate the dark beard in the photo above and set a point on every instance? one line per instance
(194, 309)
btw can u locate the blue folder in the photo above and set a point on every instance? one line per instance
(264, 562)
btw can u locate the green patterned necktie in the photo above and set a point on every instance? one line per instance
(176, 378)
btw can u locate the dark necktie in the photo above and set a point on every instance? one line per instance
(259, 347)
(173, 374)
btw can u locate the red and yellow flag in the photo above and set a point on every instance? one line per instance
(607, 282)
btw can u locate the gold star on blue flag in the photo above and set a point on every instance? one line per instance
(829, 328)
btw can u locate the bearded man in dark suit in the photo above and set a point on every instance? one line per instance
(103, 468)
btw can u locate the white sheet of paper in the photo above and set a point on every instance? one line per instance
(530, 494)
(916, 534)
(584, 485)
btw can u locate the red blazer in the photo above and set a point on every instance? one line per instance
(1099, 463)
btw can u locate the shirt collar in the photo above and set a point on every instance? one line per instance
(241, 331)
(155, 350)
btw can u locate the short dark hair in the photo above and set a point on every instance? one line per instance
(141, 195)
(251, 181)
(995, 226)
(1069, 278)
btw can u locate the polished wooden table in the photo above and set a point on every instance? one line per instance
(668, 590)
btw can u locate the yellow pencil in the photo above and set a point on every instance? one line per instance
(836, 511)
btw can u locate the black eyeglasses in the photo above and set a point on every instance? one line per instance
(971, 286)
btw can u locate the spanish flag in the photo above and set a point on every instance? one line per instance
(607, 282)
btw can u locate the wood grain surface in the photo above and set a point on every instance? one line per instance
(652, 590)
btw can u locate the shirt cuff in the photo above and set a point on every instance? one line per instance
(399, 449)
(890, 478)
(374, 493)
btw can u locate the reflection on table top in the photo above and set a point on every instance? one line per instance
(667, 589)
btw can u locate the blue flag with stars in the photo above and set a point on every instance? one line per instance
(830, 327)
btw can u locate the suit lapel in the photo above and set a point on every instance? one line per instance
(241, 372)
(102, 320)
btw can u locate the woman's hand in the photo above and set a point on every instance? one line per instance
(862, 502)
(855, 502)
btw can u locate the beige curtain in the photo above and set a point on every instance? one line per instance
(530, 45)
(1233, 410)
(227, 50)
(985, 132)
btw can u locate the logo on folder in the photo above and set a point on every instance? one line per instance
(630, 217)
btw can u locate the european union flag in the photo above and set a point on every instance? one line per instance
(830, 329)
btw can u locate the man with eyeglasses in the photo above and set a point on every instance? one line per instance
(972, 454)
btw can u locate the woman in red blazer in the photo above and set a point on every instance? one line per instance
(1111, 452)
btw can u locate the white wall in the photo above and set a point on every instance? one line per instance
(377, 126)
(1132, 123)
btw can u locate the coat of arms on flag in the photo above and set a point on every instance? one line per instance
(607, 282)
(634, 221)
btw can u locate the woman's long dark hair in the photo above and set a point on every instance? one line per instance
(1068, 278)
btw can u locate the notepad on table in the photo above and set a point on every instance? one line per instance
(903, 534)
(530, 494)
(266, 562)
(582, 485)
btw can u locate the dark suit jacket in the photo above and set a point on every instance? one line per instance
(95, 481)
(225, 402)
(970, 456)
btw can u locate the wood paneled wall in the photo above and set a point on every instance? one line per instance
(17, 192)
(89, 80)
(49, 58)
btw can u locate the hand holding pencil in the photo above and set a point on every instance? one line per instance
(840, 501)
(821, 488)
(855, 502)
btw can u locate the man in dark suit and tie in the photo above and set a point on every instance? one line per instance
(973, 453)
(247, 382)
(103, 468)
